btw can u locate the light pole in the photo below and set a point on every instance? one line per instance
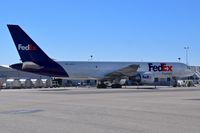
(91, 57)
(179, 59)
(186, 52)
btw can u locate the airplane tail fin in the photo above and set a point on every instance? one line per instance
(26, 47)
(33, 58)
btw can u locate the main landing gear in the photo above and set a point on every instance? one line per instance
(116, 86)
(102, 85)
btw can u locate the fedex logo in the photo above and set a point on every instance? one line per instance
(29, 47)
(160, 68)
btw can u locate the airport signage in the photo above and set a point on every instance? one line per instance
(160, 68)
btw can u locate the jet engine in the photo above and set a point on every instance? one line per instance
(143, 78)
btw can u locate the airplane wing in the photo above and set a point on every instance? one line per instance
(126, 71)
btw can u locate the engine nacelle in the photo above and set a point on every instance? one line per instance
(143, 78)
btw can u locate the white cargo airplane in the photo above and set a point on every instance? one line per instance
(34, 60)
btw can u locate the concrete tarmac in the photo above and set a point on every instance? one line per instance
(89, 110)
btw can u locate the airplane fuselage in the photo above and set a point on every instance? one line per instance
(98, 70)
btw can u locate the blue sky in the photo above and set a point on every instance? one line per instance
(110, 30)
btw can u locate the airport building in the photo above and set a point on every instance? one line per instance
(7, 73)
(196, 69)
(196, 76)
(10, 78)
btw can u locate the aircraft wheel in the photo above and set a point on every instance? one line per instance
(101, 86)
(116, 86)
